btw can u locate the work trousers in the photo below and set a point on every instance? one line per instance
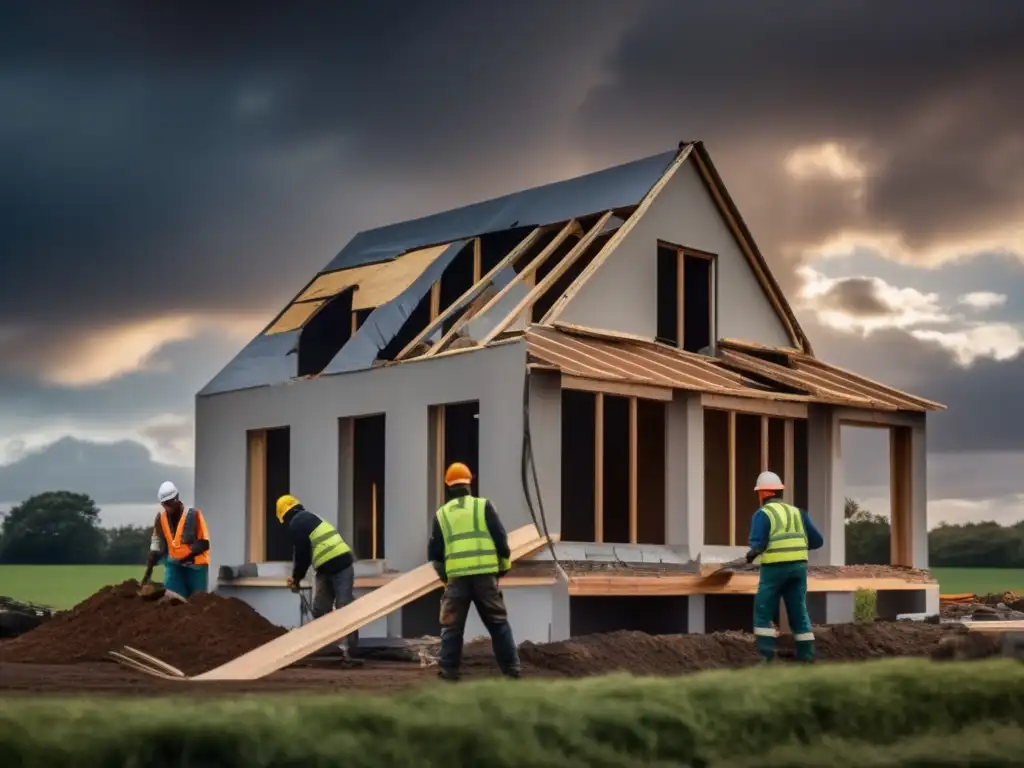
(335, 590)
(787, 581)
(481, 591)
(186, 580)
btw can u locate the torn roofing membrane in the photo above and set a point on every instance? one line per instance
(384, 322)
(265, 360)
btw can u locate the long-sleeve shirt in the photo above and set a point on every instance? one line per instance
(761, 529)
(435, 547)
(301, 523)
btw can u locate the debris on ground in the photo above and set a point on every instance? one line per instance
(17, 617)
(194, 636)
(1007, 606)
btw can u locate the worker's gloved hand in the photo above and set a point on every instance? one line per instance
(751, 555)
(293, 585)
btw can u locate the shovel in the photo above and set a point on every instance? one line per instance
(721, 575)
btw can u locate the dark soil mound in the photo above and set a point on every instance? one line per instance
(203, 633)
(644, 654)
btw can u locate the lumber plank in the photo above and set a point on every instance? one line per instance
(299, 643)
(155, 662)
(138, 666)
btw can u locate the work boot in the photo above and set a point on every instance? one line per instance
(514, 673)
(448, 675)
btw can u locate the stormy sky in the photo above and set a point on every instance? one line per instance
(172, 173)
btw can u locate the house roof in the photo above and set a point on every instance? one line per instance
(601, 356)
(392, 269)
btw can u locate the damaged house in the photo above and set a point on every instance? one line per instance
(612, 358)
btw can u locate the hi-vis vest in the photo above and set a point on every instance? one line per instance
(787, 542)
(468, 546)
(327, 544)
(176, 549)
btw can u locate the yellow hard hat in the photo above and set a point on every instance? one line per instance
(457, 473)
(285, 505)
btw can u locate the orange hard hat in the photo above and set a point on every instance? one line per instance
(458, 473)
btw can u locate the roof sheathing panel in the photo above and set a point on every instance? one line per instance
(617, 187)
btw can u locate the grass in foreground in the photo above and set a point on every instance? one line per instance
(890, 713)
(980, 581)
(64, 586)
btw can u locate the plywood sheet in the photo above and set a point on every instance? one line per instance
(376, 284)
(296, 316)
(299, 643)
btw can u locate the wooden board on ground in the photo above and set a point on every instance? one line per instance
(299, 643)
(995, 626)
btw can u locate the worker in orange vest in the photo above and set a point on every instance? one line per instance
(181, 539)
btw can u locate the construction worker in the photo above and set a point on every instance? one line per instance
(181, 539)
(316, 542)
(469, 550)
(781, 535)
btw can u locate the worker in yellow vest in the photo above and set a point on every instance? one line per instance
(180, 539)
(469, 550)
(316, 542)
(781, 535)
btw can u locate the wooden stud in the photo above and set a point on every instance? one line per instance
(559, 269)
(599, 468)
(435, 300)
(355, 324)
(764, 444)
(477, 261)
(680, 298)
(473, 291)
(789, 451)
(616, 238)
(633, 486)
(439, 456)
(901, 489)
(373, 521)
(732, 478)
(257, 455)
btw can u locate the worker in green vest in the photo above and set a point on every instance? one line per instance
(316, 542)
(469, 550)
(781, 535)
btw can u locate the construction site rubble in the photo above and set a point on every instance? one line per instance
(203, 633)
(1008, 606)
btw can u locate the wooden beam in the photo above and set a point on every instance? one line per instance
(680, 298)
(472, 292)
(633, 486)
(789, 450)
(764, 444)
(439, 455)
(373, 521)
(613, 242)
(599, 468)
(755, 405)
(901, 463)
(549, 280)
(626, 389)
(862, 417)
(602, 585)
(355, 324)
(435, 300)
(732, 478)
(477, 260)
(521, 276)
(257, 512)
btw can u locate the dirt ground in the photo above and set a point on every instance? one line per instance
(579, 657)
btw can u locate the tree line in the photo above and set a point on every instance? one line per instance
(63, 528)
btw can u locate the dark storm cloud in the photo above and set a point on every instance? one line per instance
(856, 296)
(928, 96)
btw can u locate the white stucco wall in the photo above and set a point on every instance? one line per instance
(622, 294)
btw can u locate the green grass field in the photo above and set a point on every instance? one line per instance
(893, 714)
(64, 586)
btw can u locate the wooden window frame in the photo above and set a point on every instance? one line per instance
(256, 495)
(682, 252)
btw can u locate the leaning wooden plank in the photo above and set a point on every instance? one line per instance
(299, 643)
(138, 666)
(155, 662)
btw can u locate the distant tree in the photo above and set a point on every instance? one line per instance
(127, 545)
(56, 527)
(867, 536)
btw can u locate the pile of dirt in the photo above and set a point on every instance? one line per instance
(201, 634)
(644, 654)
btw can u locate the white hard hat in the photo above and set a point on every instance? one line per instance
(768, 481)
(167, 491)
